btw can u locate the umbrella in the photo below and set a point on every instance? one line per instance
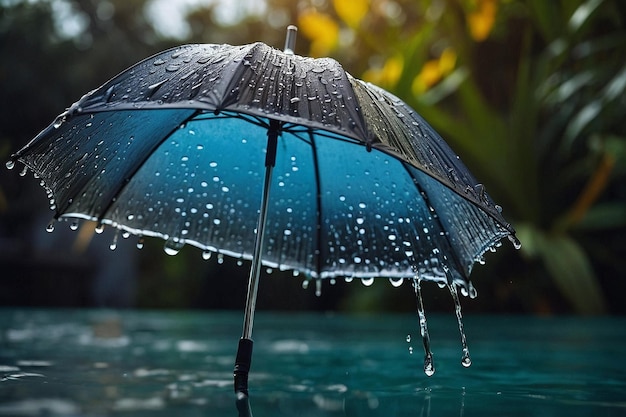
(351, 181)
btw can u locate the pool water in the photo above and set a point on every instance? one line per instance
(164, 363)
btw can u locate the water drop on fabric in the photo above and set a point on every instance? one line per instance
(396, 282)
(173, 246)
(515, 241)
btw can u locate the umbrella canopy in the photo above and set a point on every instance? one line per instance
(352, 181)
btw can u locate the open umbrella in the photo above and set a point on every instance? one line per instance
(351, 181)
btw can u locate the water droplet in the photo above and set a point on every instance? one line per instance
(410, 350)
(465, 358)
(220, 258)
(173, 246)
(113, 244)
(24, 171)
(429, 366)
(206, 255)
(318, 287)
(408, 338)
(396, 282)
(140, 243)
(367, 281)
(294, 100)
(99, 229)
(50, 226)
(74, 225)
(305, 284)
(515, 241)
(10, 164)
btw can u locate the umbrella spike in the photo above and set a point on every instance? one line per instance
(290, 39)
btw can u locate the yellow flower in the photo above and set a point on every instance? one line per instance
(434, 71)
(321, 30)
(351, 11)
(388, 75)
(481, 20)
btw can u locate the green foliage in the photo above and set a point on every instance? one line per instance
(530, 93)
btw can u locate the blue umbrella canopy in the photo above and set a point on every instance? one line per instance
(354, 183)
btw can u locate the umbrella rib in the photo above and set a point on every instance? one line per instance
(123, 184)
(459, 265)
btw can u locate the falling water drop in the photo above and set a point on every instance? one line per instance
(408, 338)
(429, 366)
(140, 243)
(318, 287)
(466, 361)
(50, 226)
(305, 284)
(113, 244)
(220, 258)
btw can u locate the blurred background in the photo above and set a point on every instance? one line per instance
(529, 93)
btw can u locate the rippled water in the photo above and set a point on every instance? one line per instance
(129, 363)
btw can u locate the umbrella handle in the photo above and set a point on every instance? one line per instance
(242, 366)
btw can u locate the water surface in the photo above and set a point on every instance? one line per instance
(138, 363)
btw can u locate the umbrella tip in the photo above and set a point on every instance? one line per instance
(290, 39)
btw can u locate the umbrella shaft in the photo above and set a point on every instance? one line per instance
(255, 270)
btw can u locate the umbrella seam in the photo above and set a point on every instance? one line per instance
(121, 188)
(459, 265)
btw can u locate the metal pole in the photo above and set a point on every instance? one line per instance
(244, 351)
(255, 270)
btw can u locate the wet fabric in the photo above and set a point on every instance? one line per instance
(174, 147)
